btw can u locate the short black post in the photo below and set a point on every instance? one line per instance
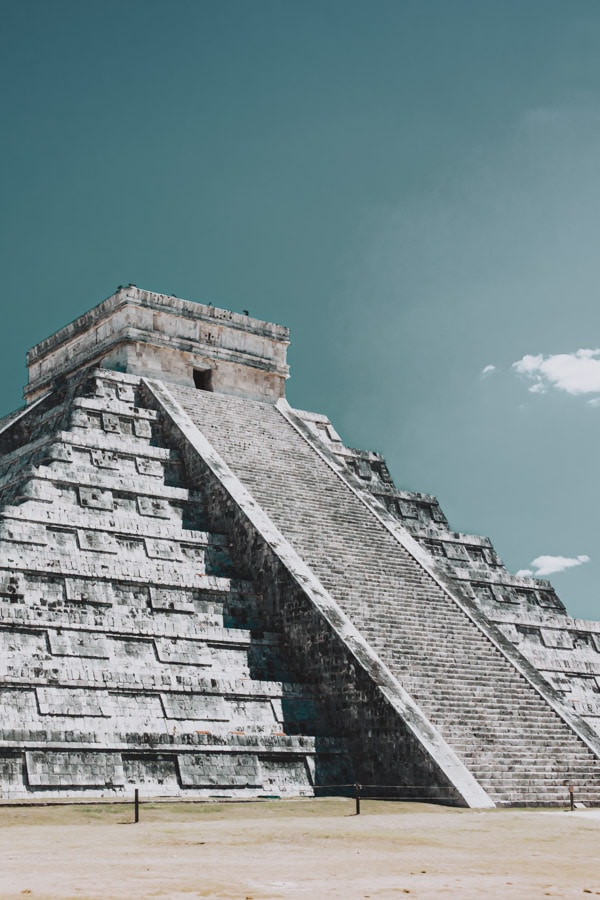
(572, 797)
(137, 806)
(357, 797)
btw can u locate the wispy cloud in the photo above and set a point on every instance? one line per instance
(575, 373)
(550, 565)
(487, 370)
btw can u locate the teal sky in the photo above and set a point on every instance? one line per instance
(413, 186)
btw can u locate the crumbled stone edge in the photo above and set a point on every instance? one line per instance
(12, 419)
(581, 728)
(419, 726)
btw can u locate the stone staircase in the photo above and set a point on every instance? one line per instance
(514, 743)
(131, 653)
(525, 609)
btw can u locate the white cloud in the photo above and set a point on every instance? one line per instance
(487, 370)
(575, 373)
(550, 565)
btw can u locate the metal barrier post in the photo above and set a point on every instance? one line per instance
(357, 797)
(572, 797)
(137, 806)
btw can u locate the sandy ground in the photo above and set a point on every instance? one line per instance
(296, 849)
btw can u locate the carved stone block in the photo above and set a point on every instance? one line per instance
(94, 498)
(97, 541)
(154, 506)
(46, 768)
(78, 643)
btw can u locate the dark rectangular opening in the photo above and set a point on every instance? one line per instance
(203, 379)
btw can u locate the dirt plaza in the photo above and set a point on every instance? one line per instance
(295, 849)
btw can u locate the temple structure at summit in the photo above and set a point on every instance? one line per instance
(204, 593)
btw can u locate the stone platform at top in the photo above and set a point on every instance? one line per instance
(161, 336)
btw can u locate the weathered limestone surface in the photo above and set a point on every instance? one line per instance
(132, 654)
(203, 591)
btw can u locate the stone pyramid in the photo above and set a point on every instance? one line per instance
(204, 593)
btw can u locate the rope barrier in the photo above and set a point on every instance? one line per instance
(401, 793)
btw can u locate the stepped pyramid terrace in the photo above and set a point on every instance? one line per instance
(204, 593)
